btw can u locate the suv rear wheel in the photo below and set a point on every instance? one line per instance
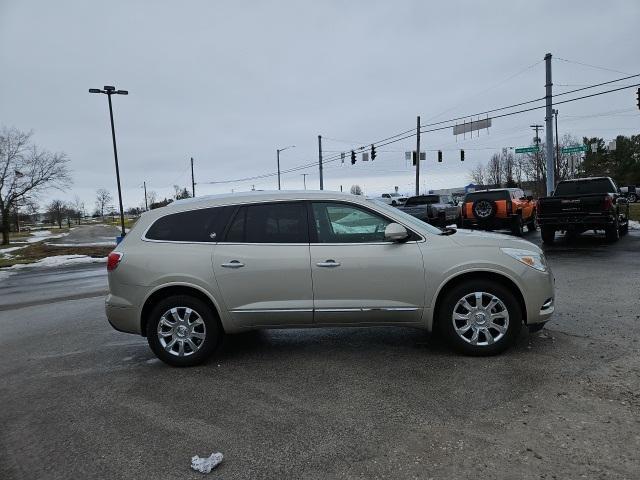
(548, 235)
(480, 318)
(183, 331)
(517, 227)
(612, 232)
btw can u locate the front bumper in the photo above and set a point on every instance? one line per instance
(539, 295)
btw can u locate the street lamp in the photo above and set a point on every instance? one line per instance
(278, 156)
(108, 91)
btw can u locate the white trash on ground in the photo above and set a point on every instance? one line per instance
(205, 465)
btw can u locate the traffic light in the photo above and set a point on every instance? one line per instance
(440, 155)
(373, 152)
(462, 155)
(353, 157)
(638, 97)
(413, 157)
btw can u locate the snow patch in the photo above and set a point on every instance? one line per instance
(91, 244)
(634, 225)
(4, 251)
(56, 261)
(40, 235)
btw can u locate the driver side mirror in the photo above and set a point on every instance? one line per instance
(529, 198)
(395, 233)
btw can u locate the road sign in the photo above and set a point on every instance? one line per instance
(574, 149)
(471, 126)
(528, 149)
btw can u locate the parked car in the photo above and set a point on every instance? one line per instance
(196, 269)
(632, 192)
(434, 209)
(584, 204)
(499, 208)
(393, 199)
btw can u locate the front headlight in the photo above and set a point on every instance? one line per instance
(529, 258)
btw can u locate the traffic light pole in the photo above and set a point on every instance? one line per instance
(549, 126)
(418, 156)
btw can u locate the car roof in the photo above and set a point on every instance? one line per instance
(496, 190)
(256, 196)
(585, 179)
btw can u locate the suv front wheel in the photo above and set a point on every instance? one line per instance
(183, 331)
(480, 318)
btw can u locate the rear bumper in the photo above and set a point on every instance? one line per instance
(122, 315)
(586, 222)
(494, 223)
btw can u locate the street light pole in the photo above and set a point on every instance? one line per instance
(108, 91)
(278, 150)
(304, 179)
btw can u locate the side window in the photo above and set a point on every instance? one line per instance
(203, 225)
(270, 223)
(341, 223)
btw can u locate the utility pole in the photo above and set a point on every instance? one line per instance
(320, 160)
(418, 156)
(557, 164)
(304, 179)
(146, 205)
(549, 126)
(537, 140)
(193, 182)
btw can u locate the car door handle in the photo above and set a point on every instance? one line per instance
(233, 264)
(328, 263)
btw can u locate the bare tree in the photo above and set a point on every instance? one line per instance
(56, 212)
(494, 170)
(103, 199)
(78, 209)
(356, 190)
(25, 171)
(181, 192)
(477, 174)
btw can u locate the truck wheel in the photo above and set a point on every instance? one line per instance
(612, 232)
(624, 229)
(480, 317)
(632, 198)
(548, 235)
(531, 226)
(517, 227)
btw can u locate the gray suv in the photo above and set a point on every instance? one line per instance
(192, 271)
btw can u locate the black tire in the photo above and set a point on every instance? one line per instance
(531, 224)
(624, 229)
(484, 209)
(632, 197)
(212, 331)
(548, 235)
(448, 307)
(612, 232)
(394, 203)
(517, 226)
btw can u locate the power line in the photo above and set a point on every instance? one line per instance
(590, 65)
(406, 135)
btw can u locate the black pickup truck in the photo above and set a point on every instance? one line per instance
(584, 204)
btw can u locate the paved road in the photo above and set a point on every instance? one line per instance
(80, 400)
(47, 285)
(87, 234)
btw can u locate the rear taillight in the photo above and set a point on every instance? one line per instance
(113, 260)
(608, 203)
(463, 212)
(509, 207)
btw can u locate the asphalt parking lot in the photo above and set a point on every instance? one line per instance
(80, 400)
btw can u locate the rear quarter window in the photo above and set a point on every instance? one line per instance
(202, 225)
(497, 195)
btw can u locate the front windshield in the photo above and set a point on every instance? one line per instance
(406, 218)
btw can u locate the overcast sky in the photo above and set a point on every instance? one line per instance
(228, 82)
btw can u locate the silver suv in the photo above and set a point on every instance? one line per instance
(192, 271)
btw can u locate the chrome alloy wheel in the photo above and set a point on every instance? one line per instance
(483, 209)
(480, 318)
(181, 331)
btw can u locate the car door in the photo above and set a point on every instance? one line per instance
(358, 277)
(262, 266)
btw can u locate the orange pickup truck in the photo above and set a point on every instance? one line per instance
(499, 208)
